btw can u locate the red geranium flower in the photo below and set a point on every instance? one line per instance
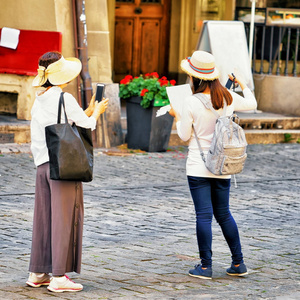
(163, 81)
(143, 92)
(155, 74)
(126, 79)
(172, 82)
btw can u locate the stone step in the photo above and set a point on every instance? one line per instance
(254, 136)
(271, 136)
(260, 128)
(262, 120)
(13, 130)
(255, 120)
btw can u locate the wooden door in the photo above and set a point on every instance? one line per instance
(141, 37)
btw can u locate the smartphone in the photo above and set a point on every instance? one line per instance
(230, 82)
(100, 91)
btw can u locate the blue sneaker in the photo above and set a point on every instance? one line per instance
(201, 273)
(241, 270)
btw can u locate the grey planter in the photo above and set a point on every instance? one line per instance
(144, 130)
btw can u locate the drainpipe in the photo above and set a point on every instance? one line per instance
(80, 31)
(76, 51)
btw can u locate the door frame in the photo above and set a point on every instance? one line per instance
(164, 40)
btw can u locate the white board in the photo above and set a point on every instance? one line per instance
(226, 41)
(176, 95)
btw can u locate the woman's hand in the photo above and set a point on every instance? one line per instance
(238, 79)
(100, 108)
(89, 111)
(173, 113)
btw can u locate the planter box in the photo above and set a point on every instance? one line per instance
(144, 130)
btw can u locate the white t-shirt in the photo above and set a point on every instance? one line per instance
(203, 119)
(44, 113)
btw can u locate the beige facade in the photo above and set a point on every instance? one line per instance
(185, 29)
(56, 15)
(100, 65)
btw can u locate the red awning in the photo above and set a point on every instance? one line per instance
(32, 44)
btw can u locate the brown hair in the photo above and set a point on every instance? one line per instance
(47, 59)
(217, 91)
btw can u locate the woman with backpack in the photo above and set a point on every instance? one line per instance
(210, 192)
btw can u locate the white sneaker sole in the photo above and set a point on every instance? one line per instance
(238, 274)
(36, 285)
(199, 276)
(63, 290)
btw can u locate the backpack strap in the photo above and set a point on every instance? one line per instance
(199, 146)
(208, 104)
(224, 108)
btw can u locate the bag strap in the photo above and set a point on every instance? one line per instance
(199, 146)
(208, 104)
(61, 103)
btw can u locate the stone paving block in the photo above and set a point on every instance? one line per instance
(139, 229)
(12, 295)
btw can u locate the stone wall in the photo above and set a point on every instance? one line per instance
(21, 86)
(278, 94)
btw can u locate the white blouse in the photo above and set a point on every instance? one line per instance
(195, 113)
(44, 113)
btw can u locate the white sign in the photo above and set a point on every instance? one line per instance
(9, 38)
(176, 95)
(226, 41)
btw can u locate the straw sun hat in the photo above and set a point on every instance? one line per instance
(59, 72)
(200, 65)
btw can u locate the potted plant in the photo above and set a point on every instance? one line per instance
(144, 95)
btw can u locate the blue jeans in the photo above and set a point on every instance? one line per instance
(211, 197)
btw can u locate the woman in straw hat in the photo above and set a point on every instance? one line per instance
(58, 212)
(210, 192)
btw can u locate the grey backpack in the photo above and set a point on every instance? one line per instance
(227, 153)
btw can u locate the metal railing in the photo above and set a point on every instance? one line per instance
(275, 50)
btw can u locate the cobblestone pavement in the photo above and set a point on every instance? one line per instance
(139, 233)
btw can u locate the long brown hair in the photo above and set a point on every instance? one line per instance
(47, 59)
(217, 92)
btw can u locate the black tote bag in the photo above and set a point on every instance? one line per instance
(70, 149)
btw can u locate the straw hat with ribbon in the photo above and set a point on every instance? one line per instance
(59, 72)
(200, 65)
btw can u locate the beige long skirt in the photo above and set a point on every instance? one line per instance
(57, 225)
